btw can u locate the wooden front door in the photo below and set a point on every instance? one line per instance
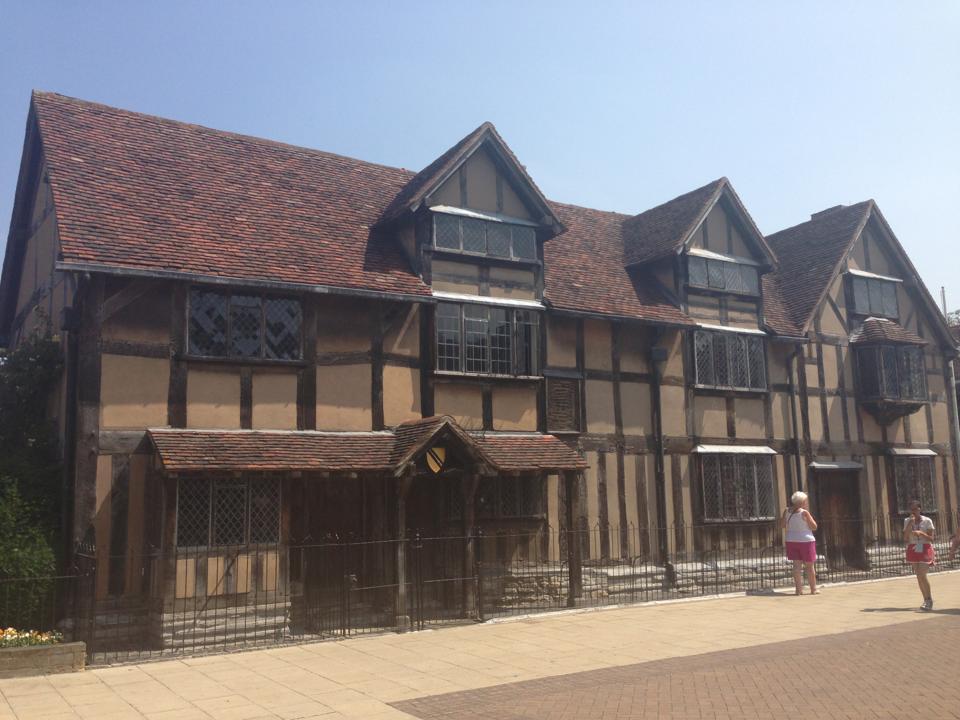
(840, 532)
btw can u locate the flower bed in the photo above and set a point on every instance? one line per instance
(11, 637)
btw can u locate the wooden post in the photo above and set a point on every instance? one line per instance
(574, 564)
(469, 488)
(403, 614)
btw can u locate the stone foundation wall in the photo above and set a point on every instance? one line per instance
(42, 659)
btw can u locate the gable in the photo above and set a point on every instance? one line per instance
(478, 184)
(721, 232)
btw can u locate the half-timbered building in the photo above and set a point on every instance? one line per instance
(268, 346)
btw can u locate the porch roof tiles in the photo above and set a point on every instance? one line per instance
(386, 451)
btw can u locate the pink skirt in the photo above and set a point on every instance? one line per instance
(803, 551)
(927, 556)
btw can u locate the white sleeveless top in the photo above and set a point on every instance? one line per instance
(797, 528)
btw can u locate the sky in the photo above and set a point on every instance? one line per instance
(616, 106)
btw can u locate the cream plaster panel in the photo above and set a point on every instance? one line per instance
(561, 342)
(481, 182)
(704, 308)
(852, 418)
(464, 403)
(941, 422)
(147, 319)
(674, 416)
(102, 521)
(782, 424)
(918, 426)
(401, 394)
(748, 418)
(856, 259)
(816, 419)
(895, 431)
(343, 326)
(403, 336)
(463, 270)
(448, 193)
(813, 380)
(456, 286)
(935, 384)
(514, 408)
(872, 432)
(514, 277)
(743, 314)
(213, 399)
(133, 391)
(673, 341)
(696, 241)
(717, 229)
(634, 347)
(710, 416)
(740, 247)
(635, 408)
(512, 293)
(274, 401)
(596, 342)
(835, 418)
(344, 397)
(599, 407)
(830, 377)
(881, 261)
(847, 360)
(29, 275)
(593, 499)
(513, 206)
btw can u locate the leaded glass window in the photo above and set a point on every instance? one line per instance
(511, 497)
(723, 275)
(892, 372)
(484, 237)
(736, 487)
(487, 340)
(243, 325)
(729, 360)
(227, 512)
(914, 479)
(875, 297)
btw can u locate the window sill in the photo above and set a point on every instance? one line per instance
(453, 375)
(263, 362)
(725, 390)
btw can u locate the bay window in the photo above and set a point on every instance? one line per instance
(892, 372)
(729, 360)
(492, 238)
(487, 340)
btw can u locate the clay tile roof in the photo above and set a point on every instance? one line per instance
(253, 450)
(141, 192)
(529, 452)
(809, 255)
(583, 270)
(882, 331)
(191, 450)
(660, 231)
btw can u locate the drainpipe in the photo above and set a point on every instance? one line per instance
(955, 439)
(791, 362)
(658, 357)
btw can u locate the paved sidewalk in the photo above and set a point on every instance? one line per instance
(359, 678)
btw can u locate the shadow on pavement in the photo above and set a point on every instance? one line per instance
(949, 611)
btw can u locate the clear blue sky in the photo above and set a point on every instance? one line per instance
(617, 106)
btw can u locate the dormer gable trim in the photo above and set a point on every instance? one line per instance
(424, 184)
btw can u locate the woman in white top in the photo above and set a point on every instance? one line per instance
(800, 542)
(918, 532)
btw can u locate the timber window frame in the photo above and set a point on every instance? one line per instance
(241, 325)
(499, 239)
(487, 340)
(219, 512)
(725, 360)
(726, 276)
(913, 479)
(892, 372)
(736, 487)
(873, 297)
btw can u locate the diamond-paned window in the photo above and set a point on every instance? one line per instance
(243, 325)
(914, 478)
(282, 323)
(729, 360)
(726, 275)
(511, 497)
(874, 296)
(493, 238)
(892, 372)
(227, 512)
(208, 322)
(246, 322)
(736, 487)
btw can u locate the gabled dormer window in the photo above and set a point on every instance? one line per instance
(874, 295)
(488, 236)
(726, 274)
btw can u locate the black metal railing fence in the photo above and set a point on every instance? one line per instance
(213, 599)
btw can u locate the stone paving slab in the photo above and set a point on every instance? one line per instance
(360, 678)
